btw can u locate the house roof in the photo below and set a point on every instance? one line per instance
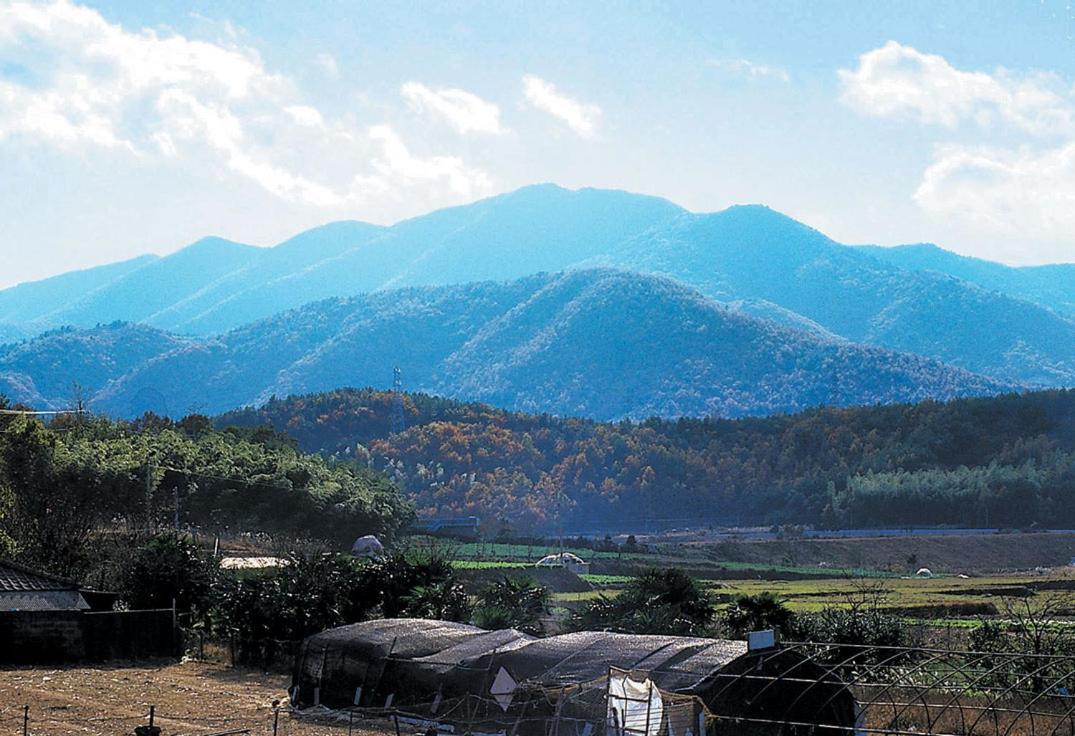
(15, 578)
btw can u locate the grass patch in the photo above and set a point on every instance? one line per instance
(603, 580)
(533, 553)
(488, 565)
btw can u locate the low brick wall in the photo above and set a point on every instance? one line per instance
(40, 637)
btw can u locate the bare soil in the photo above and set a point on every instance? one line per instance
(190, 699)
(970, 553)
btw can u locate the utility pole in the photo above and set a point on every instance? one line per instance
(560, 522)
(398, 421)
(149, 495)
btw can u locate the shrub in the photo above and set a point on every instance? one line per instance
(755, 613)
(513, 603)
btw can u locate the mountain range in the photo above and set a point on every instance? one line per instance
(599, 343)
(992, 327)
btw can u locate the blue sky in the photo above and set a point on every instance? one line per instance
(131, 127)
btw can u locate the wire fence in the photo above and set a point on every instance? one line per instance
(795, 688)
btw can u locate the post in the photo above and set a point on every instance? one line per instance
(152, 713)
(275, 719)
(149, 496)
(649, 707)
(25, 719)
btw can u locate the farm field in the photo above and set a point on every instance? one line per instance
(934, 600)
(808, 575)
(910, 596)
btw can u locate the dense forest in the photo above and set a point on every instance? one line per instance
(596, 343)
(64, 483)
(1005, 461)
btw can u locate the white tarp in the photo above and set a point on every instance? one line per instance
(634, 708)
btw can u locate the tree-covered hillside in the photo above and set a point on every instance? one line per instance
(62, 482)
(1006, 461)
(600, 343)
(63, 367)
(1051, 286)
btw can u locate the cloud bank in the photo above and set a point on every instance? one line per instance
(1016, 174)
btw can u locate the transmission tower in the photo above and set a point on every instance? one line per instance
(398, 423)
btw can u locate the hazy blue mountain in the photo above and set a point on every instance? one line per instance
(541, 228)
(752, 252)
(12, 333)
(749, 255)
(599, 343)
(38, 302)
(767, 310)
(54, 369)
(1051, 286)
(144, 293)
(245, 293)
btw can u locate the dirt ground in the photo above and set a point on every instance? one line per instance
(190, 699)
(978, 553)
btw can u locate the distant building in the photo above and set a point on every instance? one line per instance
(23, 589)
(571, 562)
(465, 526)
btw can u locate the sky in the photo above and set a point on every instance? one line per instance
(133, 127)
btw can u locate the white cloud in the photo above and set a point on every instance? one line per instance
(580, 117)
(1017, 181)
(1023, 193)
(396, 162)
(305, 115)
(900, 80)
(752, 69)
(465, 111)
(85, 82)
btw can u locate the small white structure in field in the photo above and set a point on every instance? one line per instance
(251, 563)
(367, 546)
(924, 572)
(571, 562)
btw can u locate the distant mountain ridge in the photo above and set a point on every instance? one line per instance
(747, 255)
(599, 343)
(1050, 286)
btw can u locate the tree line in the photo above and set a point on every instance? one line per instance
(999, 461)
(69, 483)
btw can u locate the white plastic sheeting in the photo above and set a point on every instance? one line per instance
(633, 707)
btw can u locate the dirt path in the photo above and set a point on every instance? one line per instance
(190, 699)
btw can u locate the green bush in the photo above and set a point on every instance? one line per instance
(167, 568)
(658, 601)
(756, 613)
(512, 603)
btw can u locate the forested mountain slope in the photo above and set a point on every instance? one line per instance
(1050, 286)
(1005, 461)
(598, 343)
(40, 303)
(62, 367)
(749, 255)
(755, 253)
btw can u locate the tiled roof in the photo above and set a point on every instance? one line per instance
(18, 579)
